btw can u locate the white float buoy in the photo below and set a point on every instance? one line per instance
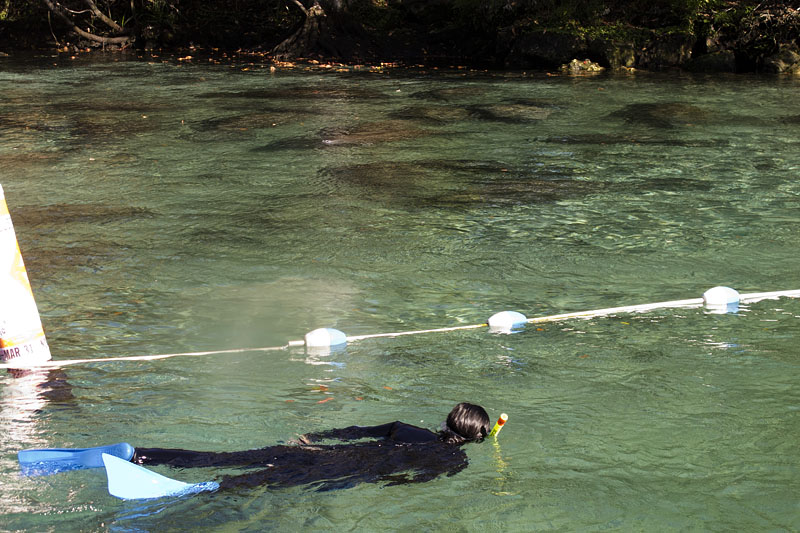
(22, 337)
(721, 299)
(325, 337)
(505, 321)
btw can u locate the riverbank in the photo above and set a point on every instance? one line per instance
(717, 36)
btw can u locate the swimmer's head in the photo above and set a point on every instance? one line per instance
(466, 422)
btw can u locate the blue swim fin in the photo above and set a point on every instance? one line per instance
(43, 462)
(132, 482)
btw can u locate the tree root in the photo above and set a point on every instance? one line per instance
(61, 13)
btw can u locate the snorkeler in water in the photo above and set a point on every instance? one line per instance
(393, 453)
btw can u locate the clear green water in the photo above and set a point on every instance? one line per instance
(166, 207)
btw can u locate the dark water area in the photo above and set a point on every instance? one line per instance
(167, 206)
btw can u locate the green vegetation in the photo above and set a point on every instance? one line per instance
(490, 32)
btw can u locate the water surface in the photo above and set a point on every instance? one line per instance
(166, 206)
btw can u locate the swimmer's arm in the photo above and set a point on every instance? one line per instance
(349, 433)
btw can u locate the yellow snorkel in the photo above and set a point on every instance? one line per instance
(500, 463)
(498, 425)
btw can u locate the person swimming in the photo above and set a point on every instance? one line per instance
(394, 453)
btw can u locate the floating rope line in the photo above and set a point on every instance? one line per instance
(692, 302)
(719, 298)
(417, 332)
(71, 362)
(500, 326)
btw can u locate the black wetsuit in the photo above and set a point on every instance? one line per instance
(399, 453)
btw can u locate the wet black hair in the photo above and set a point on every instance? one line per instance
(466, 422)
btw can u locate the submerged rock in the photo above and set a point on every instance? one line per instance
(391, 177)
(602, 139)
(512, 112)
(250, 121)
(36, 120)
(661, 115)
(13, 161)
(289, 143)
(517, 111)
(450, 93)
(436, 114)
(48, 261)
(676, 184)
(368, 133)
(454, 183)
(361, 134)
(99, 128)
(107, 106)
(58, 214)
(301, 92)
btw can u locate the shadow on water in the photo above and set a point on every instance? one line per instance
(50, 385)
